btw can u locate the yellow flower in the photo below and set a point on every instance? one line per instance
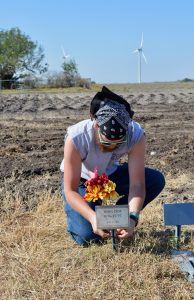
(104, 196)
(109, 186)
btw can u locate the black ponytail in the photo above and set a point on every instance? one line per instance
(102, 97)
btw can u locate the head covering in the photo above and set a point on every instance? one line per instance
(105, 95)
(113, 120)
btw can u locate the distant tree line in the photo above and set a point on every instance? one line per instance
(22, 61)
(187, 80)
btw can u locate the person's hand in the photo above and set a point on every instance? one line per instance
(100, 232)
(126, 233)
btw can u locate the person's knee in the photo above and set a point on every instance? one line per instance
(161, 181)
(85, 238)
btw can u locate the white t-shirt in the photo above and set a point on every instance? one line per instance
(82, 135)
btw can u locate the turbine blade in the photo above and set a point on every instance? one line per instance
(64, 54)
(141, 40)
(135, 51)
(144, 57)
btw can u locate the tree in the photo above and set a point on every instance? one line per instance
(187, 80)
(70, 71)
(18, 54)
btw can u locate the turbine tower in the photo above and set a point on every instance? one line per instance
(140, 54)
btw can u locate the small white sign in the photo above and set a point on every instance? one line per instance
(112, 216)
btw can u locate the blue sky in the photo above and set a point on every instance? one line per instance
(101, 35)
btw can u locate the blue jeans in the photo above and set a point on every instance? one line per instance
(81, 230)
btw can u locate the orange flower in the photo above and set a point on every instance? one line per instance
(92, 193)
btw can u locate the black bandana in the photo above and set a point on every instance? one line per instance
(105, 95)
(113, 120)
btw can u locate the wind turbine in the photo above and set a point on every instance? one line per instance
(65, 56)
(140, 54)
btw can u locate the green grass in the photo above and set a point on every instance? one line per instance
(125, 87)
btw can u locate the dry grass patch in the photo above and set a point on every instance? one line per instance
(179, 181)
(39, 261)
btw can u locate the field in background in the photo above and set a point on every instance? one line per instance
(126, 87)
(37, 258)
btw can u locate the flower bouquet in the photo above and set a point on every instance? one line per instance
(100, 187)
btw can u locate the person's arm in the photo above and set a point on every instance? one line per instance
(136, 165)
(72, 173)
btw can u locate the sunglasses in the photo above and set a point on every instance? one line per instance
(103, 142)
